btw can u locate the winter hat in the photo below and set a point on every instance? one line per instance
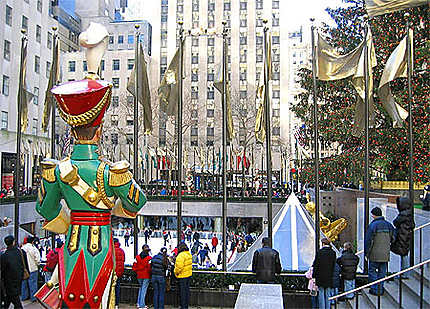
(376, 212)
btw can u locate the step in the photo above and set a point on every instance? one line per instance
(408, 299)
(363, 303)
(416, 273)
(386, 300)
(412, 287)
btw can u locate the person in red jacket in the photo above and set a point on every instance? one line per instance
(142, 268)
(119, 268)
(214, 243)
(52, 260)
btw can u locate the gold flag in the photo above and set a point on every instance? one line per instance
(333, 66)
(22, 90)
(144, 95)
(396, 66)
(379, 7)
(218, 86)
(260, 121)
(53, 79)
(168, 91)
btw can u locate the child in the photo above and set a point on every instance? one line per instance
(348, 263)
(312, 287)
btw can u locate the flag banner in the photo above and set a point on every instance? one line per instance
(396, 66)
(66, 143)
(333, 66)
(144, 94)
(260, 121)
(54, 77)
(22, 90)
(218, 86)
(380, 7)
(168, 91)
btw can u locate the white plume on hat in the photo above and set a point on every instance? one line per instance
(93, 35)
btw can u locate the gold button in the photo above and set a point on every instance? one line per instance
(92, 197)
(71, 244)
(59, 296)
(81, 297)
(49, 284)
(95, 232)
(96, 299)
(94, 246)
(74, 232)
(71, 296)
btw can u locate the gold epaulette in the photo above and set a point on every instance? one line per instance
(119, 174)
(48, 169)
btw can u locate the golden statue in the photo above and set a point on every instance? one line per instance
(330, 229)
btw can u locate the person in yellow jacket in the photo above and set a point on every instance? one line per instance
(183, 271)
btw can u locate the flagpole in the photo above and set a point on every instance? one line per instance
(179, 131)
(224, 145)
(136, 129)
(316, 150)
(268, 135)
(53, 67)
(410, 133)
(18, 139)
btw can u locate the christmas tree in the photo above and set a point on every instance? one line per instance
(388, 146)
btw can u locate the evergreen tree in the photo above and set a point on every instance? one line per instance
(388, 146)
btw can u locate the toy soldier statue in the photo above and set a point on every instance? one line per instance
(79, 194)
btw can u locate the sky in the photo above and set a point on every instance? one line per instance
(295, 12)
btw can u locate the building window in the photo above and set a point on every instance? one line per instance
(36, 96)
(276, 131)
(130, 39)
(275, 75)
(259, 40)
(84, 66)
(243, 5)
(242, 75)
(194, 131)
(130, 99)
(276, 94)
(211, 7)
(120, 39)
(211, 59)
(276, 112)
(243, 58)
(5, 87)
(114, 120)
(242, 40)
(38, 33)
(111, 39)
(48, 69)
(115, 64)
(210, 131)
(35, 126)
(243, 94)
(115, 82)
(227, 6)
(211, 77)
(194, 94)
(195, 7)
(129, 139)
(130, 64)
(210, 113)
(6, 50)
(8, 15)
(275, 39)
(275, 4)
(49, 40)
(24, 23)
(259, 58)
(259, 4)
(115, 101)
(195, 42)
(243, 22)
(37, 64)
(4, 120)
(129, 121)
(39, 5)
(275, 22)
(194, 77)
(102, 65)
(114, 138)
(211, 41)
(72, 66)
(195, 59)
(210, 94)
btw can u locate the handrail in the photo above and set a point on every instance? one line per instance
(380, 280)
(422, 226)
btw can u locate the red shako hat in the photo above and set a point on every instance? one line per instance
(83, 102)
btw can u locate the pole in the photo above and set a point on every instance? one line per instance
(316, 149)
(179, 132)
(213, 170)
(224, 145)
(136, 129)
(268, 136)
(18, 139)
(410, 133)
(366, 134)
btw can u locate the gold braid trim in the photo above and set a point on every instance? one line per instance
(48, 172)
(88, 116)
(101, 187)
(116, 180)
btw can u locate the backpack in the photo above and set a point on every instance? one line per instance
(51, 261)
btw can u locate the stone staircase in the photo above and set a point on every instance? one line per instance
(390, 299)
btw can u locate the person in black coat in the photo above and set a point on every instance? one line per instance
(266, 263)
(159, 265)
(404, 224)
(425, 198)
(323, 273)
(12, 271)
(348, 263)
